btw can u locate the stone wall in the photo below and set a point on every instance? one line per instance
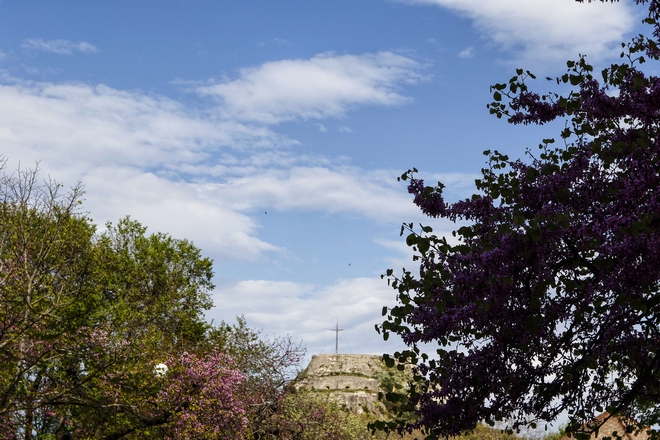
(354, 380)
(345, 383)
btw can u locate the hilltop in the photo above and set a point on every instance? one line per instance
(353, 380)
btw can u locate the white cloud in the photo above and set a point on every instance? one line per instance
(179, 170)
(547, 30)
(308, 312)
(3, 55)
(467, 53)
(373, 194)
(83, 126)
(402, 257)
(327, 85)
(458, 186)
(116, 141)
(60, 47)
(224, 234)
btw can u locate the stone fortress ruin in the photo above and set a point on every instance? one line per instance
(354, 380)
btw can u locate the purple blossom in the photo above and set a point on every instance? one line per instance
(549, 303)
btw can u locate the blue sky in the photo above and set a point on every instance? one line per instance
(271, 133)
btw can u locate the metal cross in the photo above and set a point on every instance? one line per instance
(337, 330)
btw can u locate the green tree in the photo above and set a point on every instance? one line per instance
(155, 287)
(85, 318)
(48, 295)
(153, 290)
(310, 415)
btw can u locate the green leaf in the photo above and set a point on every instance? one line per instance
(412, 239)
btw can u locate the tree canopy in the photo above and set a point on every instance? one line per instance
(85, 317)
(547, 299)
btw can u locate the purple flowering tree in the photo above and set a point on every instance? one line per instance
(547, 301)
(199, 398)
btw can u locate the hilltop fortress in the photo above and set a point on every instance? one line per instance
(354, 380)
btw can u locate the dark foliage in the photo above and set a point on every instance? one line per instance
(548, 300)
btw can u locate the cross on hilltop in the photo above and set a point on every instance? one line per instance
(337, 330)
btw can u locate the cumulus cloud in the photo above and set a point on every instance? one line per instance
(547, 30)
(327, 85)
(308, 312)
(60, 47)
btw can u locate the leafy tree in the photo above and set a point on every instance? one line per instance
(156, 287)
(197, 398)
(85, 318)
(548, 298)
(47, 294)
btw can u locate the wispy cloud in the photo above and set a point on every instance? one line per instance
(467, 53)
(60, 47)
(194, 174)
(274, 42)
(333, 189)
(175, 206)
(129, 150)
(97, 124)
(327, 85)
(547, 31)
(307, 311)
(204, 175)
